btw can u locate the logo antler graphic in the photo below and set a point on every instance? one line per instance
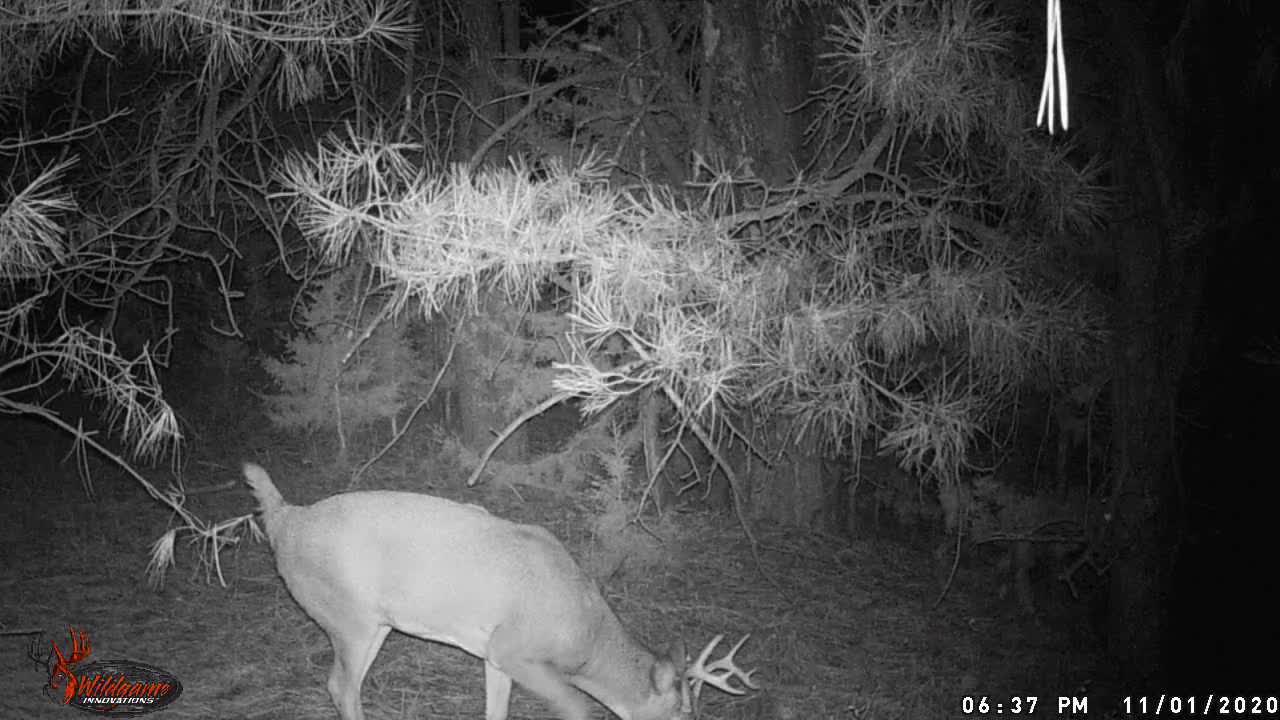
(63, 666)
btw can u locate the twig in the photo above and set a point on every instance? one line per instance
(387, 311)
(656, 470)
(9, 145)
(735, 485)
(536, 97)
(448, 360)
(512, 427)
(228, 485)
(831, 189)
(955, 564)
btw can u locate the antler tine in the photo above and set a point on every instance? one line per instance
(719, 673)
(726, 663)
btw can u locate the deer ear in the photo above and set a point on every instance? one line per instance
(664, 674)
(668, 666)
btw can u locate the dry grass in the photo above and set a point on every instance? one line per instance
(838, 630)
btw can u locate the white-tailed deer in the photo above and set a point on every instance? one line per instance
(363, 563)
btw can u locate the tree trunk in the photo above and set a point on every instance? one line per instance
(770, 55)
(1157, 293)
(483, 20)
(481, 381)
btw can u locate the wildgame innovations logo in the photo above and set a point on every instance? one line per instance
(120, 688)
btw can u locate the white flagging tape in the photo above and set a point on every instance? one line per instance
(1055, 83)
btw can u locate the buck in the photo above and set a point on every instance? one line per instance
(364, 563)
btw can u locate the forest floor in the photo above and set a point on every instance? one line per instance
(839, 628)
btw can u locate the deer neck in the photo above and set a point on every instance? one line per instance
(619, 670)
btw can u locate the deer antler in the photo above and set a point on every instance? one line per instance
(720, 673)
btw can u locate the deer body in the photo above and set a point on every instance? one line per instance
(363, 563)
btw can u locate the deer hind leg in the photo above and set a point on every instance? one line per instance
(355, 644)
